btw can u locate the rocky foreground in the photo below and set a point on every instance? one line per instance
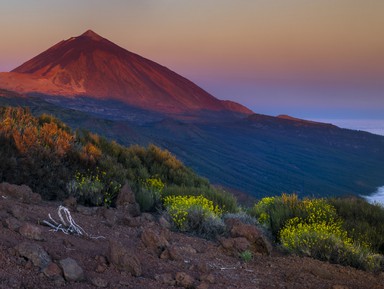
(121, 248)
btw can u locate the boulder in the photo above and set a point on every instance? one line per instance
(184, 280)
(22, 193)
(126, 201)
(53, 271)
(35, 253)
(235, 245)
(72, 271)
(258, 242)
(31, 232)
(154, 241)
(124, 259)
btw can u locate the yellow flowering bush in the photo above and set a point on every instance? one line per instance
(321, 236)
(191, 213)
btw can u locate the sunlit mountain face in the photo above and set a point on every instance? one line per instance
(90, 65)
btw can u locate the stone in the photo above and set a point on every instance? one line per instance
(203, 285)
(208, 278)
(18, 212)
(339, 287)
(184, 280)
(166, 279)
(70, 203)
(177, 253)
(124, 259)
(259, 243)
(31, 232)
(72, 271)
(165, 223)
(99, 282)
(154, 241)
(110, 216)
(34, 253)
(125, 196)
(53, 271)
(22, 193)
(12, 223)
(235, 245)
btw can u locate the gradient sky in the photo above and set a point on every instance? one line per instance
(307, 58)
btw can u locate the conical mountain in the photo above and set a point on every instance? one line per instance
(93, 66)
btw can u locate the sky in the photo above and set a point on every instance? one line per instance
(314, 59)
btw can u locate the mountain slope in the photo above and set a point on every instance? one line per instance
(94, 66)
(260, 155)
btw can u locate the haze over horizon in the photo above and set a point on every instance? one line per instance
(315, 60)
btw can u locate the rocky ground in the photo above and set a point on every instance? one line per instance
(121, 248)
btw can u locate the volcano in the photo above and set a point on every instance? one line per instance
(90, 65)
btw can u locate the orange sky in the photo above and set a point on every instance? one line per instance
(262, 45)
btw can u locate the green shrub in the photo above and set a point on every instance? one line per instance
(225, 200)
(149, 194)
(242, 216)
(274, 212)
(195, 214)
(93, 189)
(320, 235)
(363, 221)
(246, 256)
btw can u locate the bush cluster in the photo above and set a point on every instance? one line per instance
(195, 214)
(43, 153)
(313, 227)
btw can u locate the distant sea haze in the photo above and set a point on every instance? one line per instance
(375, 126)
(377, 197)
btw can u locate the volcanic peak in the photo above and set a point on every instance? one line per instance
(96, 67)
(90, 34)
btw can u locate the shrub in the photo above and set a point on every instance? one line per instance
(93, 189)
(320, 235)
(242, 216)
(149, 194)
(274, 212)
(195, 214)
(363, 221)
(246, 256)
(221, 198)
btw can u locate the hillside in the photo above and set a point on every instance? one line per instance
(260, 155)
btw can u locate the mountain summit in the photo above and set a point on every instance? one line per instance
(90, 65)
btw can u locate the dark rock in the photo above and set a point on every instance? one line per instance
(110, 216)
(208, 278)
(12, 224)
(166, 279)
(259, 243)
(125, 197)
(18, 212)
(99, 282)
(129, 221)
(22, 193)
(235, 245)
(177, 253)
(35, 253)
(31, 232)
(203, 285)
(165, 223)
(70, 203)
(126, 202)
(124, 259)
(72, 271)
(184, 280)
(154, 241)
(53, 271)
